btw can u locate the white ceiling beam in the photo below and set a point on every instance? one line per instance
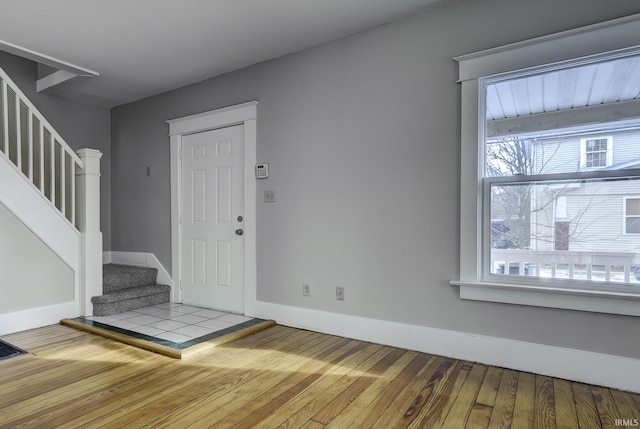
(55, 78)
(548, 121)
(45, 59)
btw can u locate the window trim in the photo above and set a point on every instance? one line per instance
(583, 152)
(598, 42)
(624, 215)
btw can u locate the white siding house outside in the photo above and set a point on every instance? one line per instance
(596, 212)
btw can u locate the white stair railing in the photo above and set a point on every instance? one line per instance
(32, 145)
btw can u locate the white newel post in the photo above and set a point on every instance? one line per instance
(88, 205)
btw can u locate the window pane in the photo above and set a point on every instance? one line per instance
(633, 225)
(563, 121)
(633, 206)
(597, 145)
(510, 157)
(564, 229)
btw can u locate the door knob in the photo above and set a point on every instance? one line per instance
(239, 231)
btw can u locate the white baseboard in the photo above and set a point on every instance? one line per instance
(139, 259)
(37, 317)
(571, 364)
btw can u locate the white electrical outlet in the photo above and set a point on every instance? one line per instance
(340, 293)
(306, 289)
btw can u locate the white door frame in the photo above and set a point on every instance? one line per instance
(242, 114)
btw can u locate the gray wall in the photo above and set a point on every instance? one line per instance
(79, 124)
(362, 136)
(21, 286)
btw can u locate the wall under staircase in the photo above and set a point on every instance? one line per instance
(50, 285)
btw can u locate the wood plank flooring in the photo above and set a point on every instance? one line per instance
(283, 378)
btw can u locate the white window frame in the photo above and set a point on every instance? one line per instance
(598, 42)
(624, 217)
(583, 152)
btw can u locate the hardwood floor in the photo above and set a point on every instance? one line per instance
(283, 377)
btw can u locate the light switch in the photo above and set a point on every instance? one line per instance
(269, 196)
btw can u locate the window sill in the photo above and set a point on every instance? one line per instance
(614, 302)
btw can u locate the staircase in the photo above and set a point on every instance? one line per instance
(127, 288)
(53, 191)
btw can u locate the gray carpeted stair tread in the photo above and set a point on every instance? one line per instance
(129, 293)
(108, 309)
(119, 277)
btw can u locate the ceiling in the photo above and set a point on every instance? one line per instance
(140, 48)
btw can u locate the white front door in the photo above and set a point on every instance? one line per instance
(212, 261)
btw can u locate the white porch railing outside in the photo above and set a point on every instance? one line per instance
(617, 267)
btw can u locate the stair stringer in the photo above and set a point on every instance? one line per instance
(56, 232)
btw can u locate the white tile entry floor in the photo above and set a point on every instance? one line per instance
(173, 322)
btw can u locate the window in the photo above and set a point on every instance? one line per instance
(534, 176)
(632, 215)
(540, 188)
(596, 153)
